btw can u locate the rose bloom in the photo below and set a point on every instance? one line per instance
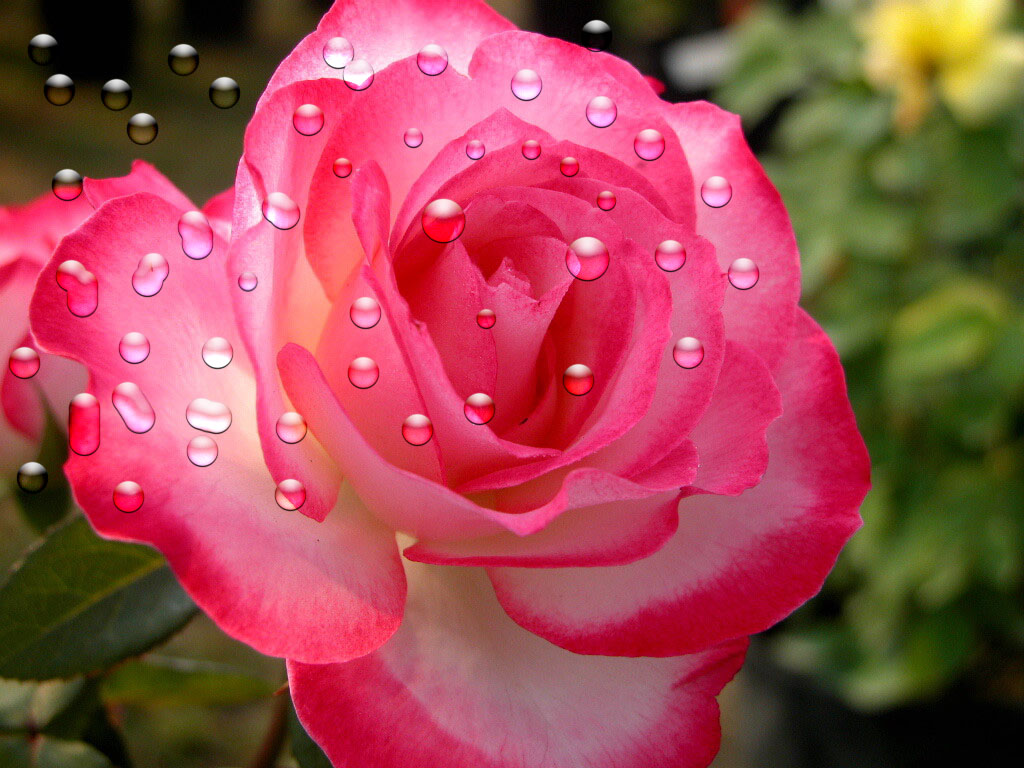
(31, 382)
(535, 536)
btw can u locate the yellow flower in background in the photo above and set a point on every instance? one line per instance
(960, 50)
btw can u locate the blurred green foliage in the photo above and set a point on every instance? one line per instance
(913, 260)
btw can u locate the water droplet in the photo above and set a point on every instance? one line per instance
(81, 287)
(531, 149)
(338, 52)
(417, 429)
(443, 220)
(41, 49)
(688, 352)
(475, 149)
(479, 408)
(526, 85)
(24, 362)
(134, 347)
(363, 373)
(601, 112)
(342, 168)
(84, 424)
(649, 144)
(142, 128)
(183, 59)
(569, 166)
(486, 319)
(308, 119)
(67, 184)
(290, 494)
(116, 94)
(743, 274)
(196, 234)
(133, 407)
(606, 200)
(587, 258)
(670, 255)
(716, 191)
(208, 415)
(365, 312)
(280, 210)
(413, 138)
(224, 92)
(217, 352)
(291, 427)
(432, 59)
(578, 379)
(359, 75)
(202, 450)
(248, 281)
(128, 496)
(596, 35)
(32, 477)
(149, 276)
(59, 90)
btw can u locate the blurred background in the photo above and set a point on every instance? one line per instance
(894, 130)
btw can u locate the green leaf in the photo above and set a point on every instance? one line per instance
(44, 509)
(164, 681)
(79, 603)
(306, 751)
(44, 752)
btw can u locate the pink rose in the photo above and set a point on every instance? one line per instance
(28, 235)
(581, 552)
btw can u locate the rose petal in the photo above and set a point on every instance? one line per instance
(143, 177)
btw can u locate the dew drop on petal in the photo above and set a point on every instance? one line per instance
(66, 184)
(486, 319)
(142, 128)
(116, 94)
(358, 75)
(248, 281)
(183, 59)
(84, 424)
(475, 149)
(363, 372)
(587, 258)
(649, 144)
(596, 35)
(208, 415)
(432, 59)
(291, 427)
(578, 379)
(569, 166)
(338, 52)
(202, 450)
(364, 312)
(531, 149)
(224, 93)
(128, 496)
(601, 112)
(196, 234)
(280, 210)
(526, 85)
(670, 255)
(342, 168)
(688, 352)
(24, 362)
(133, 347)
(606, 200)
(32, 477)
(443, 220)
(743, 274)
(59, 90)
(716, 191)
(479, 408)
(217, 352)
(417, 429)
(149, 276)
(308, 119)
(81, 286)
(413, 138)
(133, 407)
(290, 494)
(41, 49)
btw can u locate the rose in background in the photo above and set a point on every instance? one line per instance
(482, 289)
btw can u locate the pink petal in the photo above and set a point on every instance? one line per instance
(143, 177)
(219, 209)
(737, 564)
(461, 686)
